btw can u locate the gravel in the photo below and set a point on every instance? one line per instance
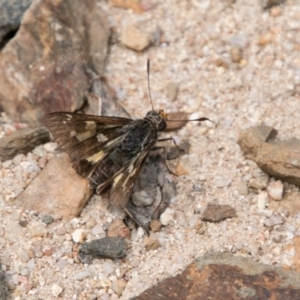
(234, 88)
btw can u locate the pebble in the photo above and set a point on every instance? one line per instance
(242, 188)
(118, 228)
(275, 190)
(82, 275)
(23, 255)
(155, 225)
(167, 216)
(50, 147)
(172, 90)
(56, 290)
(38, 230)
(78, 235)
(98, 230)
(262, 200)
(6, 164)
(260, 182)
(273, 220)
(133, 38)
(18, 159)
(118, 286)
(47, 219)
(141, 198)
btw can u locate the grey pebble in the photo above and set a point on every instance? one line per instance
(108, 247)
(47, 219)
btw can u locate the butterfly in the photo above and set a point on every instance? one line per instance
(108, 151)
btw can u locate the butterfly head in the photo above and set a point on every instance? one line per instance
(158, 119)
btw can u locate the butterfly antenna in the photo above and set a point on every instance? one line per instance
(148, 77)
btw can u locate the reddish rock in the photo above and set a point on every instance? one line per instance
(44, 67)
(118, 228)
(217, 213)
(56, 190)
(225, 276)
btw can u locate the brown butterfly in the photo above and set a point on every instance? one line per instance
(108, 151)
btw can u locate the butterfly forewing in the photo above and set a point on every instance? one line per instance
(85, 136)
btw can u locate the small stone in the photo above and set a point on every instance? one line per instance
(155, 225)
(262, 200)
(141, 198)
(38, 230)
(260, 182)
(7, 164)
(23, 223)
(265, 4)
(18, 159)
(50, 147)
(217, 213)
(167, 216)
(98, 230)
(274, 220)
(236, 54)
(275, 190)
(90, 223)
(242, 188)
(118, 228)
(39, 151)
(221, 182)
(78, 235)
(108, 247)
(172, 90)
(47, 219)
(23, 255)
(151, 244)
(82, 275)
(56, 290)
(133, 38)
(198, 187)
(118, 286)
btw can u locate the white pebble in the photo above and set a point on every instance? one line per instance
(23, 255)
(56, 290)
(97, 229)
(167, 216)
(82, 275)
(262, 200)
(6, 164)
(38, 230)
(50, 147)
(140, 232)
(18, 159)
(78, 235)
(275, 190)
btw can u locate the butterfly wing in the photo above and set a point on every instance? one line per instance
(123, 182)
(87, 139)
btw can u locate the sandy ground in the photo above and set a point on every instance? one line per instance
(199, 38)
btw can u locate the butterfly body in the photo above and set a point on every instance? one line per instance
(108, 151)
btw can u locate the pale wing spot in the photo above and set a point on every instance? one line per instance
(85, 135)
(69, 117)
(90, 125)
(101, 138)
(117, 179)
(73, 133)
(131, 174)
(96, 157)
(64, 122)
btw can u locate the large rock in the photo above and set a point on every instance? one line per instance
(280, 159)
(57, 190)
(44, 67)
(225, 276)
